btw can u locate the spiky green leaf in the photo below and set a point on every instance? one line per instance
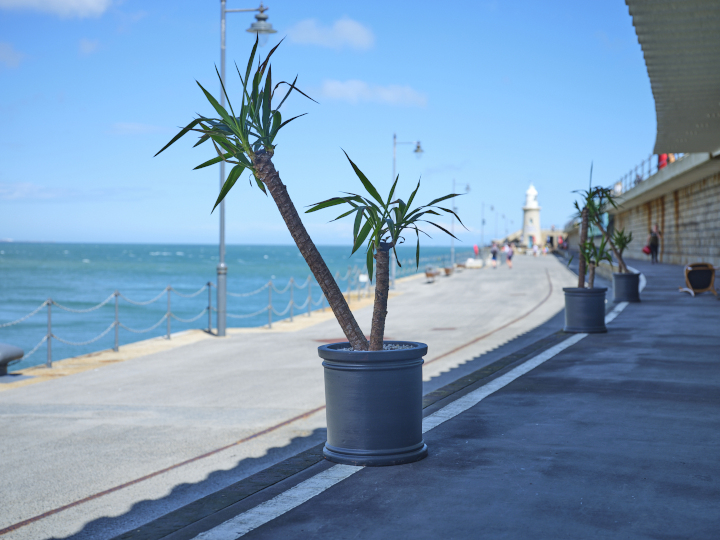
(235, 173)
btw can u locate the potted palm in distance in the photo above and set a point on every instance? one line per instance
(626, 284)
(373, 389)
(585, 307)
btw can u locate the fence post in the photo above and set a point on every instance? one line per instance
(292, 297)
(349, 285)
(309, 296)
(48, 363)
(117, 322)
(168, 311)
(270, 286)
(209, 285)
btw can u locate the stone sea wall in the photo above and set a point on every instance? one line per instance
(689, 219)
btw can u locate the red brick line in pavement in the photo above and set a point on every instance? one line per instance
(254, 435)
(156, 473)
(491, 332)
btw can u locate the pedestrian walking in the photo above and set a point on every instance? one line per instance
(654, 242)
(509, 252)
(494, 254)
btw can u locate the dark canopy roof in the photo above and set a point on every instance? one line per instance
(680, 40)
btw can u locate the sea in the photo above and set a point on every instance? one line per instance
(81, 276)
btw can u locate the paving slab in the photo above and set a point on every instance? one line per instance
(616, 436)
(105, 450)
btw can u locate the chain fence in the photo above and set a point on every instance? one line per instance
(357, 286)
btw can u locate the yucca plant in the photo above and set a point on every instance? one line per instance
(592, 255)
(382, 222)
(247, 141)
(596, 200)
(621, 241)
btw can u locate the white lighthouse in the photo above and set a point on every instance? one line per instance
(531, 233)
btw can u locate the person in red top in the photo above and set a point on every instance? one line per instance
(662, 161)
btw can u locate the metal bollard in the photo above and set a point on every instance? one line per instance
(270, 304)
(168, 312)
(48, 363)
(116, 348)
(209, 286)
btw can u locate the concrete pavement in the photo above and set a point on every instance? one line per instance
(611, 436)
(106, 450)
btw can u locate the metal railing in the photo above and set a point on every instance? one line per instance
(357, 286)
(351, 276)
(644, 170)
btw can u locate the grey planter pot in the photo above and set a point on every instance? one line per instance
(585, 310)
(374, 405)
(626, 287)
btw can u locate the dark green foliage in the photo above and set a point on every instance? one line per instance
(593, 254)
(384, 220)
(237, 138)
(621, 240)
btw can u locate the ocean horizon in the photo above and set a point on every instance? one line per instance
(82, 275)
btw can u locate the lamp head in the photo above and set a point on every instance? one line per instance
(261, 27)
(418, 149)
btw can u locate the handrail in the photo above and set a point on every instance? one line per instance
(352, 276)
(643, 171)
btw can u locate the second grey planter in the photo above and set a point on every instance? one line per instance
(626, 287)
(585, 310)
(374, 404)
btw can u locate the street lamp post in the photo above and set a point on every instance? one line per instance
(418, 151)
(452, 226)
(482, 224)
(496, 222)
(262, 28)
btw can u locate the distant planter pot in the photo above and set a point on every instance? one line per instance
(374, 404)
(626, 287)
(585, 310)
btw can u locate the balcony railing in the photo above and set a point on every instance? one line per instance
(643, 171)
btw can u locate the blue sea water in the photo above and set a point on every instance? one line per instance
(80, 276)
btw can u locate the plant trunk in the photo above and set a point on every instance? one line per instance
(265, 170)
(583, 239)
(382, 287)
(618, 255)
(591, 276)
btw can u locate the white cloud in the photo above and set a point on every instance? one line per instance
(9, 57)
(27, 190)
(88, 46)
(64, 8)
(343, 33)
(30, 191)
(354, 91)
(134, 128)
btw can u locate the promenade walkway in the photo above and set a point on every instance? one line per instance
(611, 436)
(103, 451)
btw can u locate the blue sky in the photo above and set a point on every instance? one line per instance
(501, 94)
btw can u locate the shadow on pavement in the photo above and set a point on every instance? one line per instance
(183, 494)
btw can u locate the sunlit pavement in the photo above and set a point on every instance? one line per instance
(611, 436)
(101, 452)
